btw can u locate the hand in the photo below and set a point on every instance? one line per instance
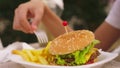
(33, 9)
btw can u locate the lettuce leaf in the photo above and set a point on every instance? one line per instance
(60, 60)
(79, 56)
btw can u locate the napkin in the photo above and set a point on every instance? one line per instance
(116, 62)
(117, 50)
(6, 52)
(1, 46)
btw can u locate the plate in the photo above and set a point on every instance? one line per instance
(104, 57)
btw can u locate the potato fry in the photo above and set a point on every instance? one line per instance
(42, 60)
(47, 47)
(22, 54)
(41, 56)
(30, 55)
(36, 52)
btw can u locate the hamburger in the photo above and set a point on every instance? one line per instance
(74, 48)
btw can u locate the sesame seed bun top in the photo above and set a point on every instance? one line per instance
(70, 42)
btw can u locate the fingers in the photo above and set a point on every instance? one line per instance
(37, 18)
(24, 20)
(32, 9)
(20, 20)
(16, 24)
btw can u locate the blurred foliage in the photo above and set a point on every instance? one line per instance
(9, 35)
(7, 8)
(92, 12)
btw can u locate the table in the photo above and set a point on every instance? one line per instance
(10, 65)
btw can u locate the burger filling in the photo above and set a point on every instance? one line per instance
(80, 57)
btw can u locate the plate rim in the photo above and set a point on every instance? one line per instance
(114, 55)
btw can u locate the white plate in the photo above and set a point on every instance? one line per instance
(102, 59)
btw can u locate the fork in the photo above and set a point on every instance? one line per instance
(42, 37)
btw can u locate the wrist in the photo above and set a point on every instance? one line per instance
(45, 15)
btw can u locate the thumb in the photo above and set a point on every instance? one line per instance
(36, 20)
(34, 27)
(35, 23)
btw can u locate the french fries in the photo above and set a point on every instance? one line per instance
(36, 56)
(32, 57)
(22, 54)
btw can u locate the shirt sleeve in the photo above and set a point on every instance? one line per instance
(114, 16)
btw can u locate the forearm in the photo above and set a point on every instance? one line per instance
(53, 22)
(107, 35)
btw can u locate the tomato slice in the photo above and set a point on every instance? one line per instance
(90, 62)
